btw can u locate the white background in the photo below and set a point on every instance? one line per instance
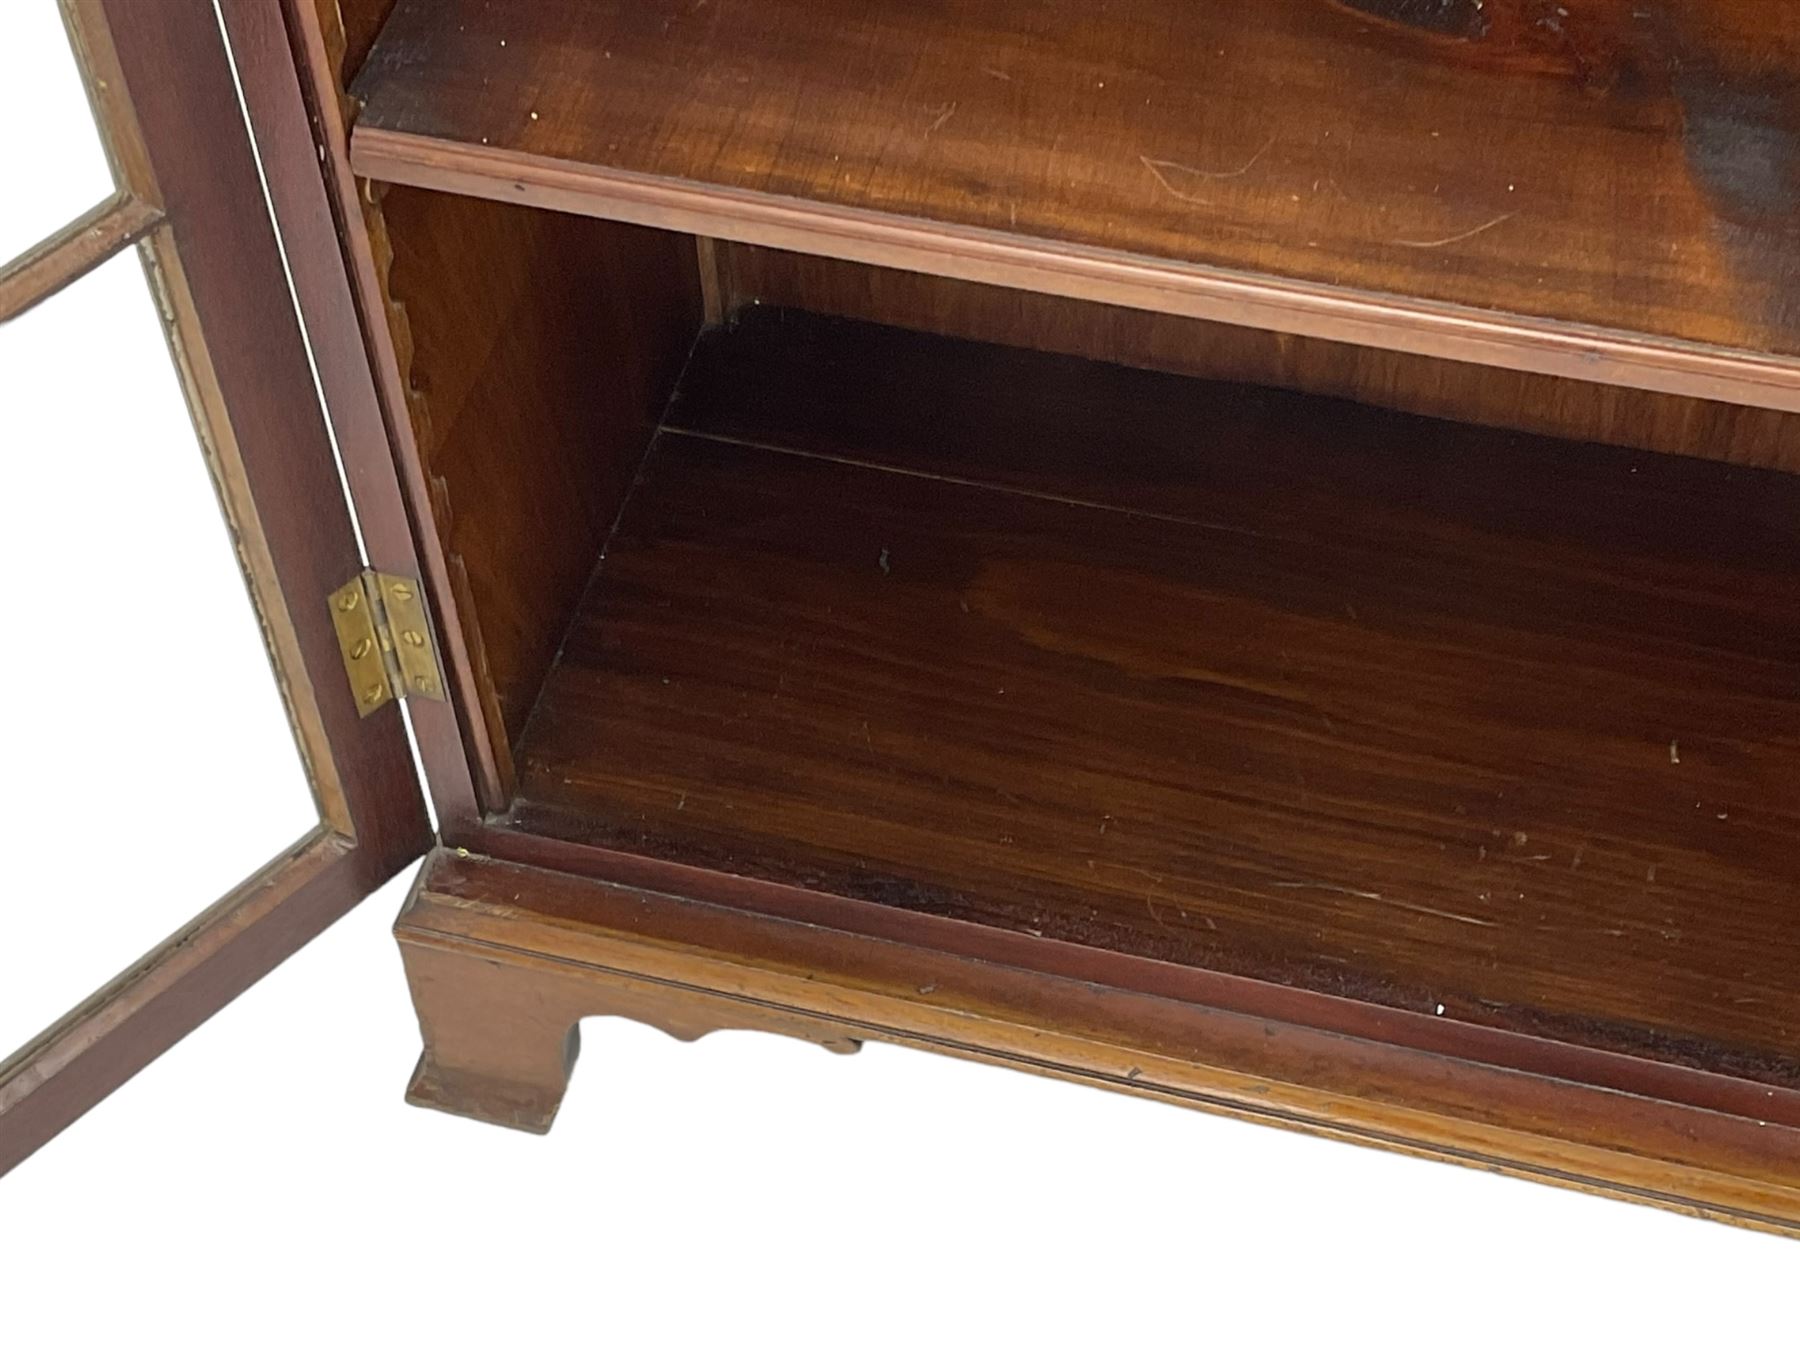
(264, 1184)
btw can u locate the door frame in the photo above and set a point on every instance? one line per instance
(191, 198)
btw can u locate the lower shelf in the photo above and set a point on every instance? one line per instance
(1477, 727)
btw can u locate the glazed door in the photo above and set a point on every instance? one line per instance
(143, 687)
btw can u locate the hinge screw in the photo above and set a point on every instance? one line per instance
(350, 601)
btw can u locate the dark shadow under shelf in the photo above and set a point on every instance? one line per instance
(1472, 724)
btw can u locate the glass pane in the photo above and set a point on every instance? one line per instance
(51, 159)
(150, 765)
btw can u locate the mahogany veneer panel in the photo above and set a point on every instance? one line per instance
(1437, 718)
(1632, 165)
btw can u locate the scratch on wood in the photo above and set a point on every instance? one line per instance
(1495, 223)
(1469, 919)
(1156, 167)
(1325, 886)
(1163, 168)
(1377, 895)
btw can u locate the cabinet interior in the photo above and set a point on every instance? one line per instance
(1076, 622)
(1439, 687)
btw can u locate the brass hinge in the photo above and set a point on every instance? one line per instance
(385, 637)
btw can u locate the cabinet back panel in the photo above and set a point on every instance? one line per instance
(1515, 400)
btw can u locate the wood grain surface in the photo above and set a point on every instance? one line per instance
(1633, 165)
(1471, 724)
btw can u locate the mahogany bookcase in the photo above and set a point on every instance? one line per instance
(1239, 554)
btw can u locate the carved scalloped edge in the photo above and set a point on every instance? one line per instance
(501, 1039)
(691, 1017)
(399, 322)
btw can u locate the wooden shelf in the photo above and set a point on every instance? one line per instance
(1482, 727)
(1611, 193)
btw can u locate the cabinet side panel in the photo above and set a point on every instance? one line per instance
(468, 770)
(1489, 396)
(542, 349)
